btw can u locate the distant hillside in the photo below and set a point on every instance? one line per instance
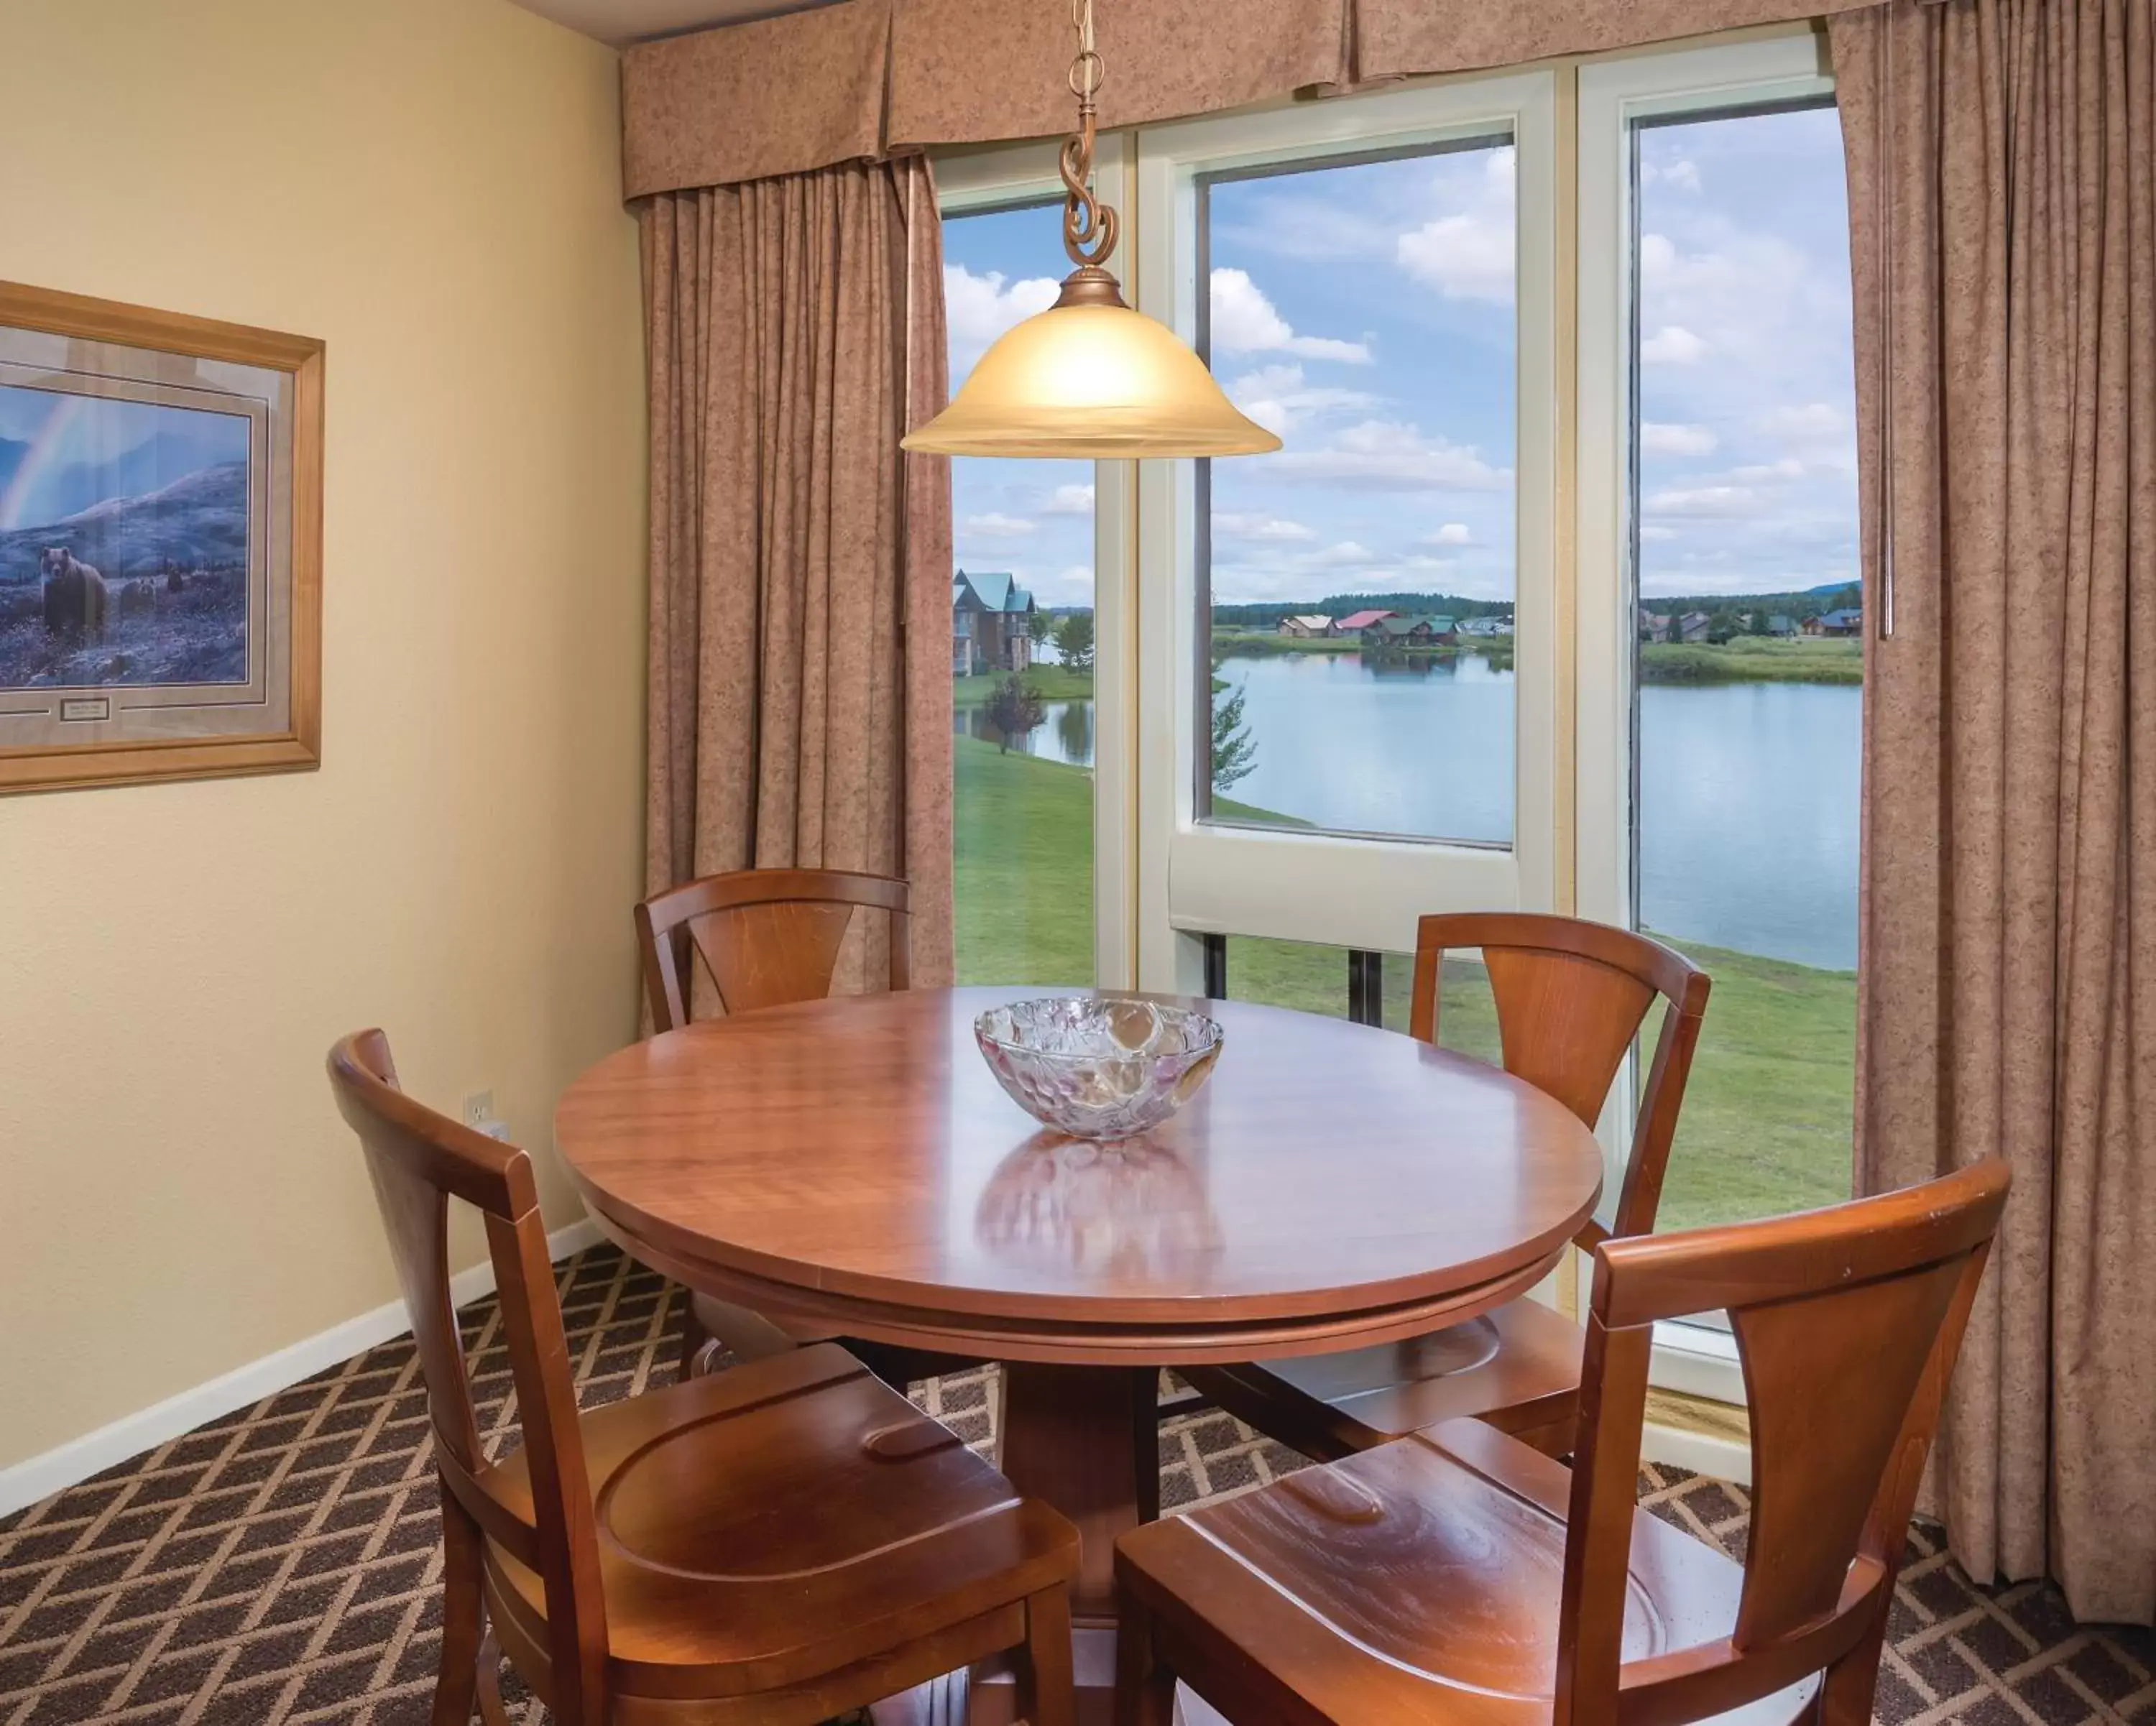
(199, 521)
(1268, 615)
(1805, 603)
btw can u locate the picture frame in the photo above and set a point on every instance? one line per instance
(161, 544)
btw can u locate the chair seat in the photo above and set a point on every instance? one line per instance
(1417, 1582)
(782, 1520)
(1517, 1368)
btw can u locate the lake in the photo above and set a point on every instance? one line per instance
(1748, 793)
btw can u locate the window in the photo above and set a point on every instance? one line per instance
(1748, 660)
(1022, 648)
(1283, 787)
(1356, 591)
(1347, 649)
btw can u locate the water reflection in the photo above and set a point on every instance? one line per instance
(1064, 733)
(1416, 743)
(1134, 1209)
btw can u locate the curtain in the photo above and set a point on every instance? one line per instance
(864, 78)
(800, 562)
(2002, 160)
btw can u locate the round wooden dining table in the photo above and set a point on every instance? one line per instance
(853, 1162)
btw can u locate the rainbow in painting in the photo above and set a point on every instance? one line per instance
(124, 535)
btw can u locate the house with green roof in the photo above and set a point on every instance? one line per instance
(1397, 629)
(991, 624)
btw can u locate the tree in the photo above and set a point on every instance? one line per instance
(1013, 709)
(1074, 640)
(1235, 750)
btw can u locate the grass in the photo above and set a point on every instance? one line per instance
(1754, 659)
(1051, 683)
(1766, 1122)
(1023, 879)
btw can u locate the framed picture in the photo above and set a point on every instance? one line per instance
(161, 544)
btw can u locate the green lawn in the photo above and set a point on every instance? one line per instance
(1766, 1124)
(1051, 683)
(1024, 881)
(1755, 659)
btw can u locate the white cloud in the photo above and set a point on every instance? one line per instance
(1653, 530)
(1385, 455)
(1256, 524)
(1813, 419)
(1700, 501)
(994, 524)
(1277, 396)
(1072, 585)
(1672, 345)
(1752, 472)
(1468, 254)
(1682, 173)
(1069, 500)
(980, 308)
(1346, 555)
(1453, 533)
(1244, 321)
(1662, 439)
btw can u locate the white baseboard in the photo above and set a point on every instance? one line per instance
(40, 1477)
(1701, 1453)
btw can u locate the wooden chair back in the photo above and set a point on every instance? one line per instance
(1571, 997)
(418, 1161)
(1847, 1322)
(768, 937)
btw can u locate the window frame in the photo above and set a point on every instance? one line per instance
(1197, 877)
(1008, 176)
(1164, 879)
(1787, 67)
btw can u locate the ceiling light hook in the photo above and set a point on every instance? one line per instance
(1089, 225)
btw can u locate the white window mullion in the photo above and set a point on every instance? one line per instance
(1307, 885)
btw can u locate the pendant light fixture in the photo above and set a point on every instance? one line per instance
(1088, 376)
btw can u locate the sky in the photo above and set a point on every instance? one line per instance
(1365, 313)
(62, 452)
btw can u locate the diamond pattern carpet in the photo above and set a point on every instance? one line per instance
(281, 1565)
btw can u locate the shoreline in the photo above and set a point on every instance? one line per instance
(1827, 661)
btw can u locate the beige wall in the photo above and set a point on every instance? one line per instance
(430, 186)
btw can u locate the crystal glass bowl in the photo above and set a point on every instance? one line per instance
(1098, 1068)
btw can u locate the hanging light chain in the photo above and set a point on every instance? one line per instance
(1089, 226)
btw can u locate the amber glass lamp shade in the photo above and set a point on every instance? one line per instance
(1089, 377)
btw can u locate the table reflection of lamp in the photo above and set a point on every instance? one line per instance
(1129, 1208)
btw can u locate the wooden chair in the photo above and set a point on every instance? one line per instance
(1462, 1576)
(773, 1544)
(1571, 995)
(769, 938)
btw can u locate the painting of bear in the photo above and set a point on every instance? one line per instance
(76, 595)
(125, 542)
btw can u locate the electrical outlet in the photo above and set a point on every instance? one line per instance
(480, 1118)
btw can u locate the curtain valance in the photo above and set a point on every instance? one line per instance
(865, 79)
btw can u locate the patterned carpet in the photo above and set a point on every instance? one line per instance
(280, 1565)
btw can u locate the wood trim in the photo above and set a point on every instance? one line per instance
(298, 747)
(1108, 1341)
(75, 1460)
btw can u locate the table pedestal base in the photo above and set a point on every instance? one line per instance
(967, 1699)
(1084, 1439)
